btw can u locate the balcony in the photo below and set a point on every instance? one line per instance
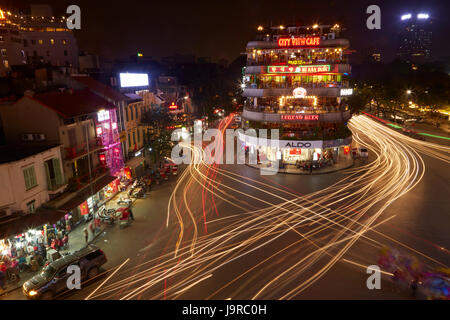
(54, 187)
(312, 90)
(76, 152)
(83, 180)
(261, 67)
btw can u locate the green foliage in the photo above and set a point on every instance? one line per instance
(388, 87)
(160, 138)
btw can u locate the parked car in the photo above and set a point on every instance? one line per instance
(52, 280)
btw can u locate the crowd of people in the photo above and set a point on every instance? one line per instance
(30, 254)
(28, 259)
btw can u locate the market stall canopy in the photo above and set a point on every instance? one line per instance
(17, 224)
(86, 193)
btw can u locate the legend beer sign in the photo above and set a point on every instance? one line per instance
(299, 69)
(299, 42)
(300, 117)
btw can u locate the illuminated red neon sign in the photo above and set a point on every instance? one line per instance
(299, 42)
(300, 117)
(299, 69)
(173, 106)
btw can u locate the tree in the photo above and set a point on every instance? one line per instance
(159, 140)
(359, 99)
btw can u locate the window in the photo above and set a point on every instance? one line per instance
(25, 43)
(131, 112)
(40, 41)
(33, 41)
(136, 111)
(52, 41)
(134, 137)
(62, 273)
(138, 135)
(65, 53)
(3, 52)
(64, 41)
(30, 178)
(129, 140)
(2, 39)
(93, 255)
(48, 53)
(31, 206)
(6, 63)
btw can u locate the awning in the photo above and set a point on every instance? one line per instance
(26, 222)
(86, 193)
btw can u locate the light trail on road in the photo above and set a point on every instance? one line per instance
(320, 227)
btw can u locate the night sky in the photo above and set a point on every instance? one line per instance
(221, 29)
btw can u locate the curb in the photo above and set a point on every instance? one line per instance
(307, 173)
(89, 243)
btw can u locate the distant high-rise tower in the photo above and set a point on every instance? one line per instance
(415, 37)
(371, 55)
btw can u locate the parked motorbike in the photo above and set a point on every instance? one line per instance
(124, 201)
(138, 193)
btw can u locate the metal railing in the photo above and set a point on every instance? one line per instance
(81, 150)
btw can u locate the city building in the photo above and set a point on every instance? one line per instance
(371, 55)
(415, 37)
(75, 120)
(32, 39)
(29, 177)
(120, 102)
(296, 80)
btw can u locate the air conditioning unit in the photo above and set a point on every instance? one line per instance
(39, 137)
(27, 137)
(331, 35)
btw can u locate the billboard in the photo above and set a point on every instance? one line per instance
(128, 80)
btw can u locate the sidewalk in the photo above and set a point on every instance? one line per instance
(76, 242)
(292, 169)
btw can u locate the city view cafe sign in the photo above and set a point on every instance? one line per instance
(299, 42)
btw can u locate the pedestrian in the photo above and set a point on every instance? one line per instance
(414, 283)
(2, 280)
(131, 214)
(86, 235)
(65, 241)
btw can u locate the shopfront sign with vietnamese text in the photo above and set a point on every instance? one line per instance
(300, 117)
(299, 69)
(299, 42)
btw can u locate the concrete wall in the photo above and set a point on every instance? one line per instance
(29, 116)
(13, 193)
